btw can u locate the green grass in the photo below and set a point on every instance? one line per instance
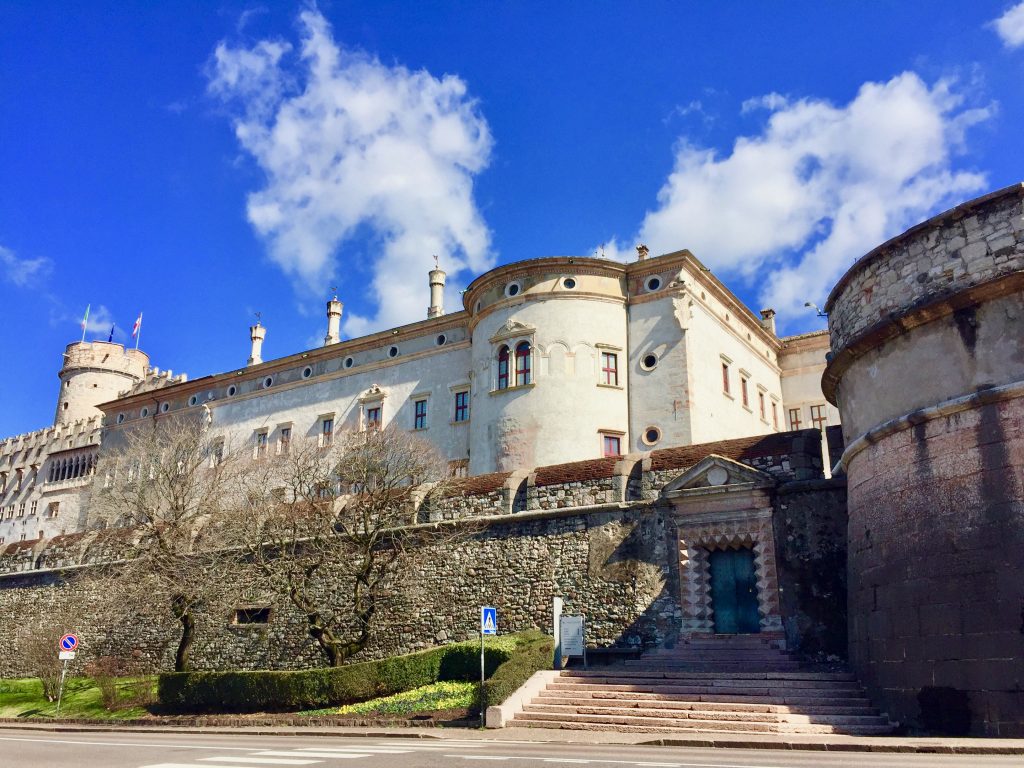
(23, 697)
(428, 698)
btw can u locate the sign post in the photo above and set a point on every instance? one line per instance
(66, 652)
(488, 626)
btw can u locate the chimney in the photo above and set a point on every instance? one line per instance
(333, 322)
(641, 252)
(257, 333)
(768, 320)
(437, 276)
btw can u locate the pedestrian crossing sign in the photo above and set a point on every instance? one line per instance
(488, 621)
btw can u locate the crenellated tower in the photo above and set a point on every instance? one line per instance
(95, 372)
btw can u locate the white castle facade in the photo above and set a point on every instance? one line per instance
(551, 360)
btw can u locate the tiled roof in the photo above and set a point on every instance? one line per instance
(478, 484)
(777, 444)
(591, 469)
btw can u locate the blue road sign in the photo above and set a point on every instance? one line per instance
(488, 621)
(69, 642)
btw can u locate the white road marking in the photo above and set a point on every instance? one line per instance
(552, 759)
(124, 744)
(371, 748)
(271, 753)
(260, 760)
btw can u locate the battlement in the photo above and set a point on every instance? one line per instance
(106, 356)
(49, 438)
(155, 379)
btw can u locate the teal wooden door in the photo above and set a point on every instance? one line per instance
(734, 592)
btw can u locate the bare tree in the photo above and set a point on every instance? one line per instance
(162, 491)
(319, 516)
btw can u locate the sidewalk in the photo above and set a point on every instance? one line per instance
(831, 743)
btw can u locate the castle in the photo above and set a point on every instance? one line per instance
(552, 360)
(622, 433)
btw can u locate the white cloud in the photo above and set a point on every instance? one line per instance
(350, 145)
(100, 322)
(770, 101)
(1010, 26)
(821, 185)
(24, 273)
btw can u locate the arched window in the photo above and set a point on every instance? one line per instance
(522, 363)
(503, 367)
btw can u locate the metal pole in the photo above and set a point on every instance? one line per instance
(584, 622)
(60, 691)
(482, 703)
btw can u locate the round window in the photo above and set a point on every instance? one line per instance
(569, 283)
(165, 407)
(144, 412)
(120, 418)
(393, 352)
(441, 339)
(232, 390)
(193, 400)
(513, 289)
(349, 362)
(652, 435)
(307, 372)
(653, 283)
(268, 382)
(647, 362)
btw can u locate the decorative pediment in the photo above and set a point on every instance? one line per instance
(511, 329)
(719, 473)
(373, 393)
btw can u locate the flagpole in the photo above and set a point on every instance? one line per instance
(85, 321)
(138, 333)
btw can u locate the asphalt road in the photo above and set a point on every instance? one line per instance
(38, 749)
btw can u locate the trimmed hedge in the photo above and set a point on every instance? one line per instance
(270, 691)
(535, 653)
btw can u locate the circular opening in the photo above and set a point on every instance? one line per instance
(144, 412)
(349, 362)
(653, 283)
(120, 418)
(569, 283)
(193, 400)
(649, 361)
(232, 390)
(165, 407)
(307, 372)
(441, 339)
(393, 352)
(652, 435)
(513, 289)
(268, 382)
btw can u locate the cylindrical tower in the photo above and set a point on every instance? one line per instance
(95, 372)
(257, 333)
(928, 372)
(436, 308)
(334, 308)
(549, 363)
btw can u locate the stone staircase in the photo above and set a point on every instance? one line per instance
(738, 684)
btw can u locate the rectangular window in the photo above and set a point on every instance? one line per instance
(775, 414)
(818, 416)
(725, 378)
(326, 432)
(760, 403)
(522, 364)
(373, 417)
(743, 391)
(261, 445)
(251, 616)
(21, 509)
(462, 406)
(610, 368)
(420, 415)
(612, 445)
(53, 509)
(34, 508)
(794, 418)
(284, 441)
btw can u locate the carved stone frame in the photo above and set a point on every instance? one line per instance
(722, 504)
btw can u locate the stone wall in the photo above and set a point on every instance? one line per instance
(810, 552)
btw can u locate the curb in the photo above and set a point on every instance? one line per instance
(852, 746)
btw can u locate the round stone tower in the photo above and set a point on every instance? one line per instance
(95, 372)
(928, 373)
(543, 332)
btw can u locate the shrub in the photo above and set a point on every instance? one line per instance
(105, 672)
(270, 691)
(535, 653)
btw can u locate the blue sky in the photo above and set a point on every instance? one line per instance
(200, 162)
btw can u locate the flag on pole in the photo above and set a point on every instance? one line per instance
(85, 320)
(137, 326)
(110, 338)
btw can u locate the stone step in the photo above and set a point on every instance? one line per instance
(793, 700)
(705, 682)
(719, 653)
(548, 719)
(671, 674)
(709, 714)
(723, 689)
(855, 707)
(524, 722)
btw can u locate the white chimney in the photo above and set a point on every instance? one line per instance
(333, 322)
(436, 308)
(768, 320)
(257, 333)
